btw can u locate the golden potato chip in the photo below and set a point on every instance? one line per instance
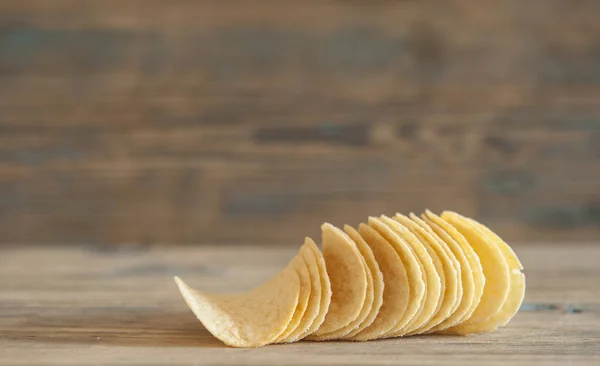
(348, 281)
(342, 332)
(251, 319)
(432, 278)
(325, 297)
(301, 268)
(445, 267)
(375, 281)
(364, 312)
(431, 308)
(472, 277)
(396, 289)
(414, 269)
(495, 270)
(454, 288)
(314, 301)
(516, 292)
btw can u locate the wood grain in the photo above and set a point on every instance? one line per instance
(67, 306)
(200, 121)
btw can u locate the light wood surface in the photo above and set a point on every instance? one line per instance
(84, 306)
(189, 117)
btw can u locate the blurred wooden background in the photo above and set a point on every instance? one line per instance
(255, 121)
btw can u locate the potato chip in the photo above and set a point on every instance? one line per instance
(516, 292)
(348, 278)
(414, 269)
(366, 309)
(325, 297)
(472, 277)
(250, 319)
(314, 301)
(301, 267)
(453, 270)
(432, 278)
(396, 289)
(445, 267)
(376, 282)
(495, 270)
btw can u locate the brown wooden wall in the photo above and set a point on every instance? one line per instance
(210, 121)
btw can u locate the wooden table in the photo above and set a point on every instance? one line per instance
(117, 306)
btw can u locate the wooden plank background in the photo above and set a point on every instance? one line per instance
(187, 121)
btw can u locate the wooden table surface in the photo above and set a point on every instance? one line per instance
(84, 305)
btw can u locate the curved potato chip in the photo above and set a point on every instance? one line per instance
(376, 281)
(325, 297)
(251, 319)
(432, 278)
(364, 312)
(473, 279)
(396, 288)
(348, 281)
(495, 270)
(454, 287)
(301, 268)
(516, 292)
(314, 300)
(445, 267)
(414, 269)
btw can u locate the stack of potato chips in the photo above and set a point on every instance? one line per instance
(392, 277)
